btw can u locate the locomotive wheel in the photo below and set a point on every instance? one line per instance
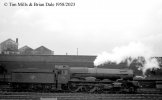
(128, 89)
(131, 90)
(93, 89)
(100, 89)
(73, 87)
(124, 88)
(90, 88)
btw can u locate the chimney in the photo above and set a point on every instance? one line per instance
(17, 40)
(17, 44)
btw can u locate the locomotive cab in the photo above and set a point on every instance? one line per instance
(62, 76)
(62, 73)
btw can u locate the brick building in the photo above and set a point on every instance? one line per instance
(9, 46)
(42, 51)
(26, 50)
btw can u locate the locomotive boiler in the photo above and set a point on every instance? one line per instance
(78, 79)
(101, 73)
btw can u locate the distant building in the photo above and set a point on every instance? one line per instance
(42, 51)
(9, 47)
(25, 51)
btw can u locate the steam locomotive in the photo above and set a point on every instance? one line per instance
(64, 73)
(73, 79)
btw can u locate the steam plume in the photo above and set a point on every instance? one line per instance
(134, 51)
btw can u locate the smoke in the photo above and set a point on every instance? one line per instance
(136, 52)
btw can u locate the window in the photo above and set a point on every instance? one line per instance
(64, 72)
(59, 72)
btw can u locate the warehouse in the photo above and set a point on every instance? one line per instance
(9, 46)
(44, 61)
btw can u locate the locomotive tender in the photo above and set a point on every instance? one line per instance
(74, 79)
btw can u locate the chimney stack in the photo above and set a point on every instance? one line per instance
(17, 40)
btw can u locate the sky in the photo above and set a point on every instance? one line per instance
(92, 26)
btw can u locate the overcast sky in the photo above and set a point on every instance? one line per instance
(92, 26)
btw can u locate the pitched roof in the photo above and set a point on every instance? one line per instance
(8, 40)
(25, 48)
(42, 48)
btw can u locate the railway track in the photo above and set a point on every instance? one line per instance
(77, 96)
(139, 91)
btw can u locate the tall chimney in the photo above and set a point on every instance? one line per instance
(17, 40)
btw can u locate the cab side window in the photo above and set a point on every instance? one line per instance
(59, 72)
(62, 72)
(65, 72)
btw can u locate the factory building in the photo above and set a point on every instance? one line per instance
(11, 62)
(9, 47)
(42, 51)
(26, 50)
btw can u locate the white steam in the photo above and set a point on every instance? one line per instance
(134, 51)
